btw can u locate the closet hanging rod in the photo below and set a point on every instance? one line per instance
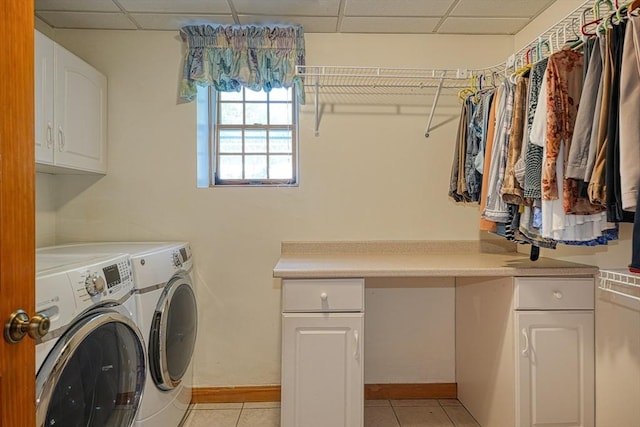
(576, 16)
(430, 75)
(321, 77)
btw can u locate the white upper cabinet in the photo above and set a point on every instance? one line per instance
(44, 99)
(71, 112)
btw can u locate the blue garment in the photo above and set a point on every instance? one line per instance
(474, 134)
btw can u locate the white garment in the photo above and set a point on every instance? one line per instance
(538, 132)
(556, 224)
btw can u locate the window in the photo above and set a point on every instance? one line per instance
(247, 137)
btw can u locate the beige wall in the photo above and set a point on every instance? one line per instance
(45, 210)
(367, 176)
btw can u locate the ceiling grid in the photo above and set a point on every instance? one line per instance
(496, 17)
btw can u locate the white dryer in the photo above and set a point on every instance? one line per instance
(91, 364)
(167, 317)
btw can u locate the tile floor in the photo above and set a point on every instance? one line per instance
(377, 413)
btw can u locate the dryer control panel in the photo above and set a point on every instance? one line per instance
(182, 257)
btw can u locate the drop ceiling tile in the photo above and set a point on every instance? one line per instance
(287, 7)
(77, 5)
(155, 21)
(388, 25)
(95, 20)
(322, 24)
(482, 25)
(181, 7)
(500, 8)
(397, 7)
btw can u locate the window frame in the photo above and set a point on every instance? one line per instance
(214, 128)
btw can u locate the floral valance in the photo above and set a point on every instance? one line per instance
(232, 57)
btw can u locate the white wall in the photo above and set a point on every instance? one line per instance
(45, 210)
(367, 176)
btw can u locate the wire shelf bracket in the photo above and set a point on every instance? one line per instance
(433, 107)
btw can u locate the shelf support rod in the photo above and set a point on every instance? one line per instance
(316, 103)
(433, 107)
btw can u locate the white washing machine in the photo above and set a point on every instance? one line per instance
(91, 365)
(167, 317)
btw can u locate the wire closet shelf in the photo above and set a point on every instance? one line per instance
(620, 282)
(371, 84)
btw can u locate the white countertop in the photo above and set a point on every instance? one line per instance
(415, 259)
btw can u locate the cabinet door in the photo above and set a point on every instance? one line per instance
(80, 114)
(43, 98)
(322, 370)
(555, 368)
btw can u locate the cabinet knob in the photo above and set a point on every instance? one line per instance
(324, 296)
(558, 294)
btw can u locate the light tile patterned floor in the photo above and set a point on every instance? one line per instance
(377, 413)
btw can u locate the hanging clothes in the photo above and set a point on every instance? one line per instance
(630, 117)
(511, 190)
(457, 184)
(471, 175)
(596, 188)
(580, 151)
(533, 157)
(612, 165)
(496, 209)
(486, 225)
(634, 267)
(545, 151)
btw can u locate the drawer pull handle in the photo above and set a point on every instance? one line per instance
(356, 350)
(324, 296)
(525, 352)
(49, 134)
(61, 139)
(558, 294)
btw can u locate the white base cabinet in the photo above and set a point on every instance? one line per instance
(555, 368)
(322, 353)
(322, 381)
(70, 111)
(525, 351)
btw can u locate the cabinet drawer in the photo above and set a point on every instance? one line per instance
(322, 295)
(554, 293)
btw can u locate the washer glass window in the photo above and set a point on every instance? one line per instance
(173, 334)
(102, 382)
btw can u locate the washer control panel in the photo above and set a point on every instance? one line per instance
(67, 285)
(110, 279)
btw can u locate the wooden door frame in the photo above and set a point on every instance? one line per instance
(17, 207)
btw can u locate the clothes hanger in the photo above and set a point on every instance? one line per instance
(524, 68)
(540, 48)
(620, 15)
(596, 14)
(465, 93)
(633, 6)
(576, 40)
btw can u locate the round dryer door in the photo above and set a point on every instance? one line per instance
(95, 374)
(173, 333)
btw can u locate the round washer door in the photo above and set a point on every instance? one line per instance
(95, 374)
(173, 332)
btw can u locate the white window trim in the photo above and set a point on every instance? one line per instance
(207, 154)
